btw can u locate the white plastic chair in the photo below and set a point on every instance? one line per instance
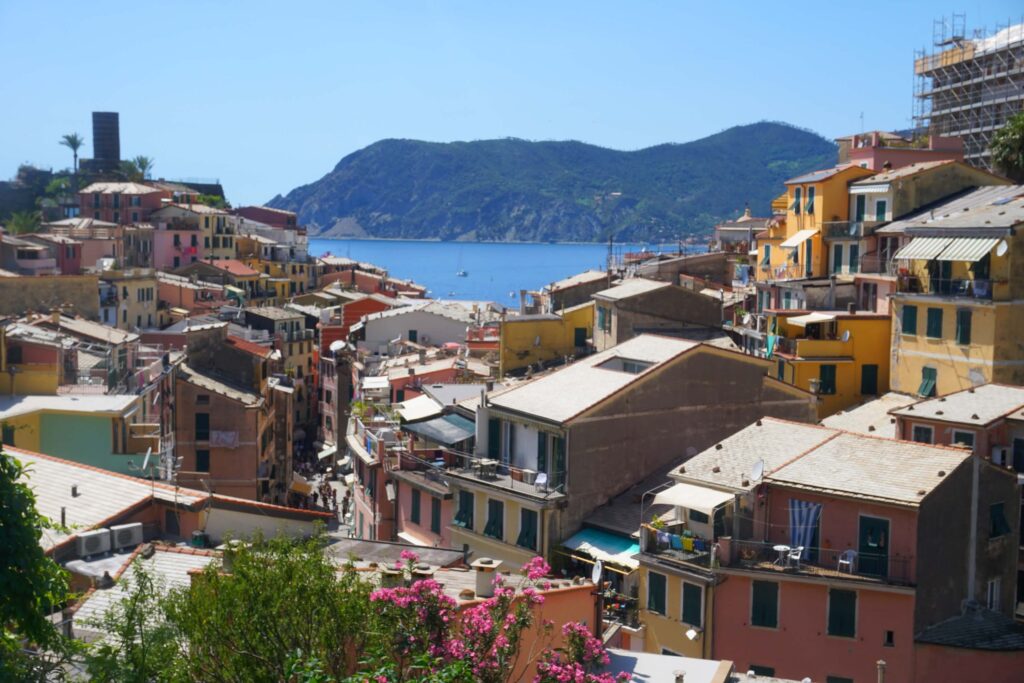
(541, 482)
(794, 556)
(846, 559)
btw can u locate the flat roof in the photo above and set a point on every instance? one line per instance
(104, 404)
(568, 391)
(993, 207)
(630, 288)
(578, 279)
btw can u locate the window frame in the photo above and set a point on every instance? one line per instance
(908, 326)
(933, 323)
(200, 460)
(829, 623)
(754, 617)
(415, 502)
(963, 432)
(699, 623)
(827, 388)
(664, 593)
(913, 433)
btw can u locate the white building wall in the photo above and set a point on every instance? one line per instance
(438, 329)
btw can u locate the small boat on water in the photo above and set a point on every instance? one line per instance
(461, 273)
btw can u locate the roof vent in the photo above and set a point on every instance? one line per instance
(974, 416)
(942, 473)
(910, 407)
(682, 470)
(74, 490)
(716, 469)
(942, 399)
(920, 492)
(758, 423)
(938, 412)
(871, 428)
(718, 446)
(892, 420)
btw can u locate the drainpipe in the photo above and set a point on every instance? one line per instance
(972, 547)
(881, 670)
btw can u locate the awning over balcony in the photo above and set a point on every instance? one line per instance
(970, 249)
(606, 547)
(692, 497)
(375, 383)
(418, 408)
(923, 248)
(798, 239)
(810, 318)
(446, 431)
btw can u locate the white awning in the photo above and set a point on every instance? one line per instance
(798, 239)
(815, 317)
(968, 249)
(376, 383)
(693, 497)
(923, 248)
(418, 408)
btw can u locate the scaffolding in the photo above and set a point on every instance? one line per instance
(969, 86)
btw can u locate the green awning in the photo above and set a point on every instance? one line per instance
(605, 546)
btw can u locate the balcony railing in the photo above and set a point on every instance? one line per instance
(823, 562)
(500, 475)
(962, 288)
(850, 229)
(672, 545)
(792, 271)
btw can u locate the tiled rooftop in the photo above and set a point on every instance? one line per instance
(979, 406)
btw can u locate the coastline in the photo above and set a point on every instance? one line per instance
(435, 240)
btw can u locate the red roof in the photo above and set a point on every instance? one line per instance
(235, 267)
(249, 347)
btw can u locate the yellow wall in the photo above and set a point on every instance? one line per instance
(26, 431)
(868, 345)
(669, 631)
(512, 556)
(517, 347)
(145, 309)
(35, 379)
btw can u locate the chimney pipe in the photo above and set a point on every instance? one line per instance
(881, 670)
(486, 569)
(851, 307)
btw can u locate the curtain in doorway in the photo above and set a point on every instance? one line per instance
(803, 520)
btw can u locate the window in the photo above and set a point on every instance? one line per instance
(698, 516)
(464, 517)
(963, 327)
(527, 529)
(934, 329)
(922, 434)
(837, 258)
(1018, 455)
(413, 336)
(202, 399)
(909, 319)
(764, 604)
(890, 639)
(136, 200)
(96, 201)
(117, 201)
(177, 261)
(117, 216)
(542, 452)
(827, 379)
(206, 242)
(202, 426)
(838, 679)
(880, 210)
(992, 594)
(435, 515)
(604, 319)
(760, 670)
(135, 216)
(797, 198)
(842, 613)
(781, 371)
(929, 376)
(202, 461)
(7, 434)
(414, 512)
(656, 592)
(868, 380)
(809, 206)
(966, 438)
(767, 255)
(998, 526)
(854, 258)
(693, 609)
(495, 519)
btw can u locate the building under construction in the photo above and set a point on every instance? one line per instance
(969, 86)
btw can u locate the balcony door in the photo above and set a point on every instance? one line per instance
(873, 553)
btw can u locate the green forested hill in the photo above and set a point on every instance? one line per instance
(514, 189)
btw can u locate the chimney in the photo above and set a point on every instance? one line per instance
(55, 316)
(422, 570)
(887, 166)
(679, 676)
(486, 569)
(423, 356)
(851, 307)
(489, 384)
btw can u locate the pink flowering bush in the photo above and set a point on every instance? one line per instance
(577, 661)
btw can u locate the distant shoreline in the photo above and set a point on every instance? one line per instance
(435, 240)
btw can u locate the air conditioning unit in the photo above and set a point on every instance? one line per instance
(93, 542)
(1000, 455)
(126, 535)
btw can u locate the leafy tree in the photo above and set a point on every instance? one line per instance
(31, 584)
(144, 164)
(74, 142)
(1007, 148)
(131, 171)
(23, 222)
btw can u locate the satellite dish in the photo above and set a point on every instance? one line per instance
(758, 470)
(145, 462)
(595, 575)
(337, 345)
(1001, 248)
(746, 318)
(846, 335)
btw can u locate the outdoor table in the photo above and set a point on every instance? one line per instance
(783, 551)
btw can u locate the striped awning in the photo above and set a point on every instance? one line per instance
(923, 248)
(798, 239)
(969, 249)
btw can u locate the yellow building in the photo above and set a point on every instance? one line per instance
(843, 358)
(129, 299)
(958, 314)
(794, 248)
(528, 339)
(676, 608)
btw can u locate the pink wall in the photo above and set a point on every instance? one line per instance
(840, 520)
(422, 530)
(443, 376)
(934, 663)
(800, 646)
(942, 433)
(95, 249)
(164, 249)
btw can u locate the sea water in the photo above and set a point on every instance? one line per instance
(495, 271)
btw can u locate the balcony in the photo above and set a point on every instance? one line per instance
(792, 271)
(849, 229)
(673, 545)
(36, 266)
(143, 436)
(965, 288)
(817, 562)
(491, 473)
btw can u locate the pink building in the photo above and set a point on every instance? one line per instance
(181, 293)
(120, 203)
(826, 551)
(66, 250)
(278, 218)
(874, 149)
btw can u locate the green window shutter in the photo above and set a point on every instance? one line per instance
(827, 375)
(764, 607)
(435, 515)
(495, 519)
(934, 329)
(767, 255)
(861, 207)
(854, 258)
(929, 376)
(797, 200)
(493, 438)
(842, 613)
(809, 206)
(464, 517)
(963, 327)
(542, 452)
(414, 512)
(656, 592)
(837, 258)
(527, 529)
(692, 594)
(880, 211)
(600, 317)
(909, 319)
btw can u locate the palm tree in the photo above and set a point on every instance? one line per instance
(144, 164)
(1008, 148)
(23, 222)
(73, 141)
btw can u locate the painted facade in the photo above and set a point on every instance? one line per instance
(530, 339)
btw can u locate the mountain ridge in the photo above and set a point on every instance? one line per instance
(509, 189)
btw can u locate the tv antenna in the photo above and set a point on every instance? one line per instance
(757, 472)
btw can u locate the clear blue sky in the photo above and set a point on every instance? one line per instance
(269, 95)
